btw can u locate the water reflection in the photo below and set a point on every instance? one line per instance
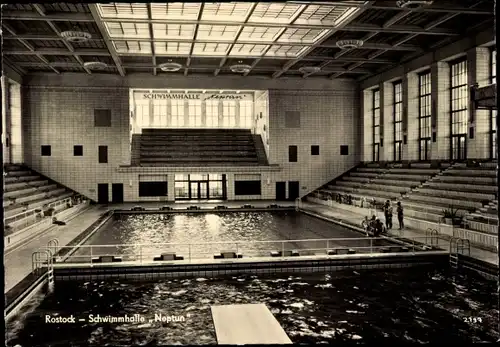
(198, 229)
(418, 306)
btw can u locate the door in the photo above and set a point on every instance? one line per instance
(293, 190)
(102, 193)
(280, 191)
(458, 147)
(117, 193)
(376, 152)
(425, 147)
(203, 190)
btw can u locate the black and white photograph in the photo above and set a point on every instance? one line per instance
(250, 173)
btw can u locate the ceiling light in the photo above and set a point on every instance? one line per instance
(349, 44)
(76, 36)
(95, 65)
(170, 67)
(240, 68)
(413, 4)
(309, 69)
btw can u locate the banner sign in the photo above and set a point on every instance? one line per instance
(192, 96)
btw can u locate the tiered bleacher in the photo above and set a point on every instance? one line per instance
(27, 195)
(197, 147)
(428, 192)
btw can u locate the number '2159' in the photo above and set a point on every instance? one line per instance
(473, 320)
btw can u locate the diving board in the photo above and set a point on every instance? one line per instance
(247, 324)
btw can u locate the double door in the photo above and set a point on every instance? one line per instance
(198, 190)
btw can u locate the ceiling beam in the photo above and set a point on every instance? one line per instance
(236, 37)
(429, 9)
(394, 19)
(54, 17)
(291, 63)
(244, 42)
(199, 67)
(151, 35)
(55, 29)
(429, 26)
(29, 46)
(107, 41)
(191, 48)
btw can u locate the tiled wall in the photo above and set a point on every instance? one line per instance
(327, 119)
(64, 116)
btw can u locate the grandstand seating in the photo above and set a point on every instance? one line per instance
(426, 190)
(196, 147)
(26, 191)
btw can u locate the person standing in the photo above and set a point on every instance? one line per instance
(400, 216)
(388, 214)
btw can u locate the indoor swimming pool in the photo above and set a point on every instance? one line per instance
(357, 306)
(197, 234)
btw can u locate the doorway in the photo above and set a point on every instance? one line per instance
(293, 190)
(117, 193)
(102, 193)
(458, 147)
(198, 190)
(280, 191)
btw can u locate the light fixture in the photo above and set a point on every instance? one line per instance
(76, 36)
(170, 67)
(309, 69)
(413, 4)
(349, 44)
(95, 65)
(240, 67)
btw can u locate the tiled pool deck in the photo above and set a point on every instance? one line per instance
(17, 262)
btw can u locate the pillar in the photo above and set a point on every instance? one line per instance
(410, 103)
(367, 112)
(387, 121)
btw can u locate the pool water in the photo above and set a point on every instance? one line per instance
(417, 306)
(197, 229)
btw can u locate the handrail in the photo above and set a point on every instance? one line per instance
(33, 211)
(298, 204)
(202, 250)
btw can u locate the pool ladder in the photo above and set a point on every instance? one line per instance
(45, 257)
(458, 246)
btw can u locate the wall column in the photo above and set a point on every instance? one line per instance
(367, 112)
(440, 116)
(478, 71)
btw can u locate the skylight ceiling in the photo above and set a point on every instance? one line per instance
(236, 29)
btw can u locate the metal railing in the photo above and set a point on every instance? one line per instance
(249, 249)
(25, 216)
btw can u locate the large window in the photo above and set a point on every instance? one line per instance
(376, 124)
(194, 107)
(246, 112)
(228, 113)
(398, 119)
(424, 115)
(177, 113)
(15, 123)
(200, 186)
(212, 113)
(151, 189)
(493, 118)
(160, 113)
(142, 113)
(459, 114)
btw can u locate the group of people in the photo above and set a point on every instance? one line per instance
(375, 227)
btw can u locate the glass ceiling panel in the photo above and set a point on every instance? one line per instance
(221, 32)
(302, 35)
(172, 48)
(248, 50)
(174, 31)
(133, 30)
(274, 12)
(175, 10)
(259, 34)
(210, 48)
(132, 47)
(123, 10)
(285, 51)
(226, 11)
